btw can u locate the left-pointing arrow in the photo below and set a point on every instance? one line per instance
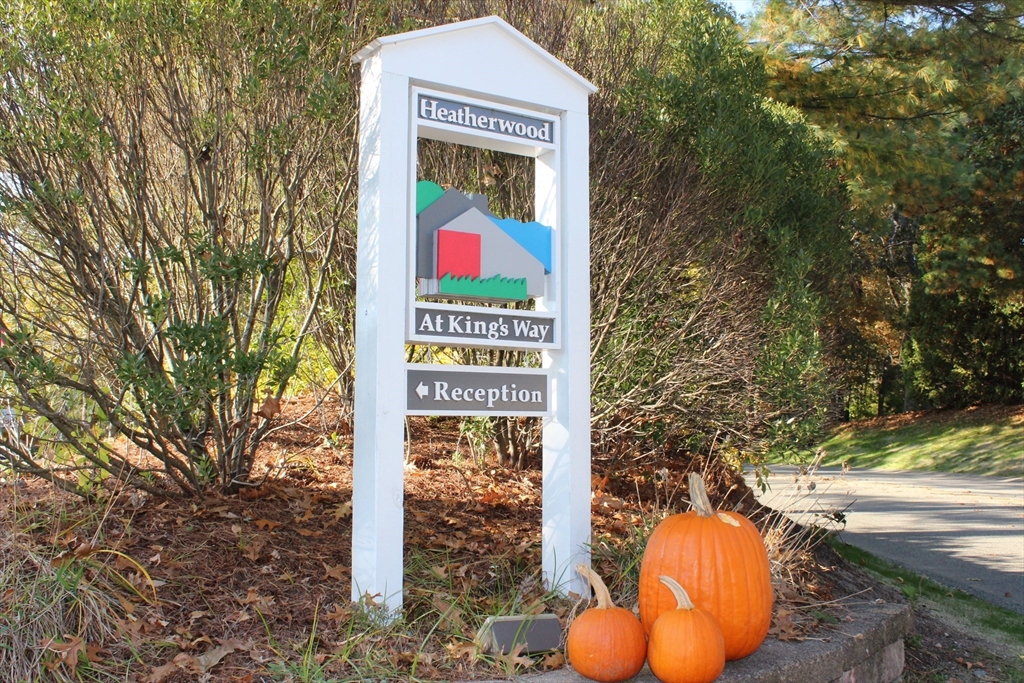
(422, 390)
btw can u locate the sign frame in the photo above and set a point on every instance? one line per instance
(515, 73)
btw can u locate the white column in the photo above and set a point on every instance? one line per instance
(377, 473)
(562, 200)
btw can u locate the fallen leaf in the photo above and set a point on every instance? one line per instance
(516, 658)
(130, 627)
(970, 665)
(612, 503)
(341, 511)
(404, 659)
(458, 650)
(266, 524)
(307, 533)
(126, 605)
(160, 673)
(271, 407)
(451, 616)
(210, 659)
(198, 614)
(783, 627)
(337, 572)
(260, 602)
(493, 498)
(85, 549)
(253, 549)
(68, 651)
(246, 493)
(534, 608)
(92, 653)
(524, 546)
(62, 559)
(338, 614)
(555, 660)
(201, 639)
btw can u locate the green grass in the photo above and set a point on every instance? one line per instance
(991, 620)
(957, 444)
(496, 287)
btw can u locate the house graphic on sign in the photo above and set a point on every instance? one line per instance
(463, 251)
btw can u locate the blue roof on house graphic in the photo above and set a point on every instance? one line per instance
(463, 251)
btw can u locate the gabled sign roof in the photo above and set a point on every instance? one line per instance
(476, 24)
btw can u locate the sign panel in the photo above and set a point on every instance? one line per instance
(482, 122)
(477, 118)
(463, 251)
(475, 390)
(482, 327)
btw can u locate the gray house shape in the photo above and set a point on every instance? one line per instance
(448, 206)
(499, 253)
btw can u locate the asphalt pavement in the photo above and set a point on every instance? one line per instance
(963, 531)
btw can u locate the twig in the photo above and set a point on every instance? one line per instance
(832, 602)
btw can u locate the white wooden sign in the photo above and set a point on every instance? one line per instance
(479, 83)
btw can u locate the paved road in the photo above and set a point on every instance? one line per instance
(962, 531)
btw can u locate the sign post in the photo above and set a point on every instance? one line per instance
(479, 83)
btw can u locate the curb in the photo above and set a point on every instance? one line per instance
(867, 648)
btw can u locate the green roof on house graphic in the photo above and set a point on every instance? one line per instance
(463, 251)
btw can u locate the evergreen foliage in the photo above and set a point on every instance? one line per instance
(921, 103)
(965, 348)
(966, 314)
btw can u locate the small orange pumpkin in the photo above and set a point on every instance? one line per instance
(606, 643)
(720, 558)
(686, 643)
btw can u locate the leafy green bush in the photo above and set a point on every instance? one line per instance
(166, 166)
(768, 207)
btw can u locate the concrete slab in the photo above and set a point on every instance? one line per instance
(868, 648)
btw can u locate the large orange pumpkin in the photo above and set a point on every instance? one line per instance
(721, 561)
(606, 643)
(686, 643)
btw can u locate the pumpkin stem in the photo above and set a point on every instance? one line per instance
(604, 600)
(699, 496)
(682, 598)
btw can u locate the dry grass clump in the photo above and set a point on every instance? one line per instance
(56, 608)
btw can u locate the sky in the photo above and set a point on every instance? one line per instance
(741, 7)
